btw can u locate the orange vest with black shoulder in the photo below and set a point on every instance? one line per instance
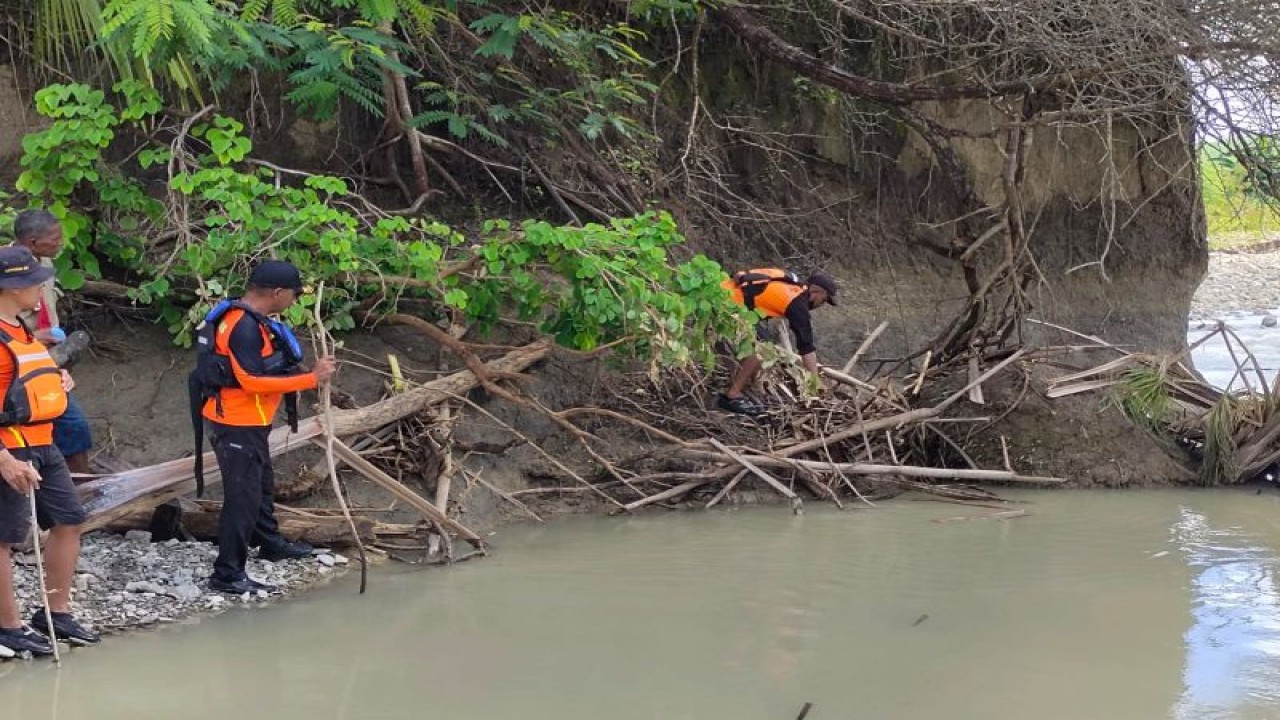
(255, 400)
(769, 290)
(31, 385)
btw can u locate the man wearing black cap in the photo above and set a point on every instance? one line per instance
(34, 394)
(249, 363)
(775, 293)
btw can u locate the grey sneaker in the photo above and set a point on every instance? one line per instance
(65, 628)
(24, 639)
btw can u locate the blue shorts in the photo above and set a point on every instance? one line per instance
(71, 431)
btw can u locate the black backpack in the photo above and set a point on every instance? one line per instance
(754, 283)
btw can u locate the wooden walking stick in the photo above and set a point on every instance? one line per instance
(44, 587)
(326, 405)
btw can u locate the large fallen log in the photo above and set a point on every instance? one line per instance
(201, 521)
(114, 496)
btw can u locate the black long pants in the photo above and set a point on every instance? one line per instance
(248, 496)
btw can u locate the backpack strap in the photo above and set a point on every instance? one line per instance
(196, 397)
(752, 284)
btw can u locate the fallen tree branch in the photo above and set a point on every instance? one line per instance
(675, 491)
(874, 469)
(787, 492)
(396, 488)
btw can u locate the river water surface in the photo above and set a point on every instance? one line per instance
(1213, 358)
(1125, 605)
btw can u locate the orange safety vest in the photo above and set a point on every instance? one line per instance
(769, 290)
(250, 406)
(33, 396)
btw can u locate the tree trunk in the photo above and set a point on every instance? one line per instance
(400, 113)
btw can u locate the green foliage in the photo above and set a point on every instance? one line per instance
(284, 13)
(540, 69)
(1143, 396)
(449, 106)
(660, 10)
(1219, 465)
(587, 286)
(63, 27)
(178, 36)
(606, 283)
(1236, 207)
(334, 62)
(67, 157)
(609, 80)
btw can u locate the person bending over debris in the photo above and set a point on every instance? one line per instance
(776, 294)
(41, 233)
(247, 365)
(35, 394)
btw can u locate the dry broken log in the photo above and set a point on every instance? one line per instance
(201, 521)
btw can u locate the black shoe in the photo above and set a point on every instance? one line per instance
(741, 404)
(234, 587)
(24, 639)
(264, 587)
(65, 628)
(241, 586)
(284, 550)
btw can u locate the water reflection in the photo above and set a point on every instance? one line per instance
(1233, 645)
(1214, 359)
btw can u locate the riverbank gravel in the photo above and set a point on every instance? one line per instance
(1239, 282)
(126, 581)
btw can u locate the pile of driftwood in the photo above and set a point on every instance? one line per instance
(857, 441)
(1231, 435)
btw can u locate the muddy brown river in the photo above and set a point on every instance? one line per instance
(1124, 605)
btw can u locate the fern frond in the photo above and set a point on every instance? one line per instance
(253, 10)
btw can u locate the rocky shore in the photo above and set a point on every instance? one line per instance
(124, 582)
(1239, 282)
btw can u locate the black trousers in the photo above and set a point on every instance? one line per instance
(248, 496)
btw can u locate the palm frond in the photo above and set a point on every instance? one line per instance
(1219, 465)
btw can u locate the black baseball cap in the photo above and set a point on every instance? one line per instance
(20, 269)
(271, 274)
(826, 282)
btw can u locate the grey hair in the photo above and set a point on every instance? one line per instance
(31, 224)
